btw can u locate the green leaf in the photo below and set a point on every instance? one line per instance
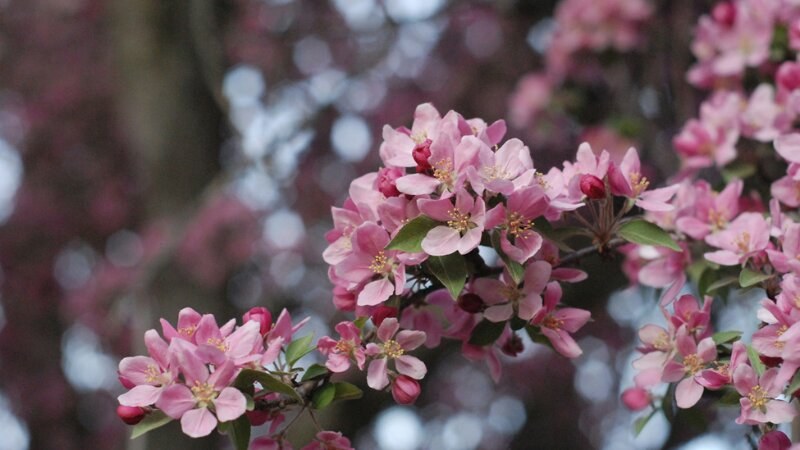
(486, 332)
(723, 337)
(641, 422)
(708, 278)
(251, 404)
(794, 385)
(727, 281)
(642, 232)
(360, 322)
(239, 432)
(451, 271)
(556, 235)
(299, 348)
(347, 391)
(409, 238)
(729, 397)
(323, 396)
(155, 419)
(749, 278)
(738, 171)
(246, 378)
(314, 371)
(515, 269)
(755, 361)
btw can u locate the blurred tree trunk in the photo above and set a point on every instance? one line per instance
(168, 79)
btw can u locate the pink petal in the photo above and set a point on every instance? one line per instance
(141, 395)
(562, 342)
(198, 422)
(499, 313)
(376, 292)
(410, 340)
(388, 329)
(417, 184)
(688, 393)
(411, 366)
(230, 404)
(176, 400)
(441, 241)
(377, 378)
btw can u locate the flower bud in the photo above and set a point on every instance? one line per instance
(770, 361)
(258, 417)
(131, 414)
(405, 390)
(471, 303)
(593, 187)
(774, 440)
(421, 154)
(724, 13)
(260, 315)
(636, 398)
(386, 181)
(513, 346)
(788, 76)
(382, 312)
(126, 383)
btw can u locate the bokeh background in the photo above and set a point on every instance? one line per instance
(159, 154)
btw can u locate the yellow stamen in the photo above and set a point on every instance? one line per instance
(392, 349)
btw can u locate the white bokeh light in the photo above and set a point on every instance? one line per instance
(10, 178)
(284, 229)
(398, 429)
(351, 138)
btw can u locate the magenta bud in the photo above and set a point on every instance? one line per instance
(260, 315)
(258, 417)
(386, 181)
(593, 187)
(421, 154)
(724, 13)
(126, 383)
(131, 414)
(471, 303)
(381, 313)
(636, 398)
(774, 440)
(788, 76)
(770, 361)
(513, 346)
(405, 390)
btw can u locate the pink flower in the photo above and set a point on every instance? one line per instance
(694, 358)
(147, 376)
(627, 180)
(787, 189)
(505, 299)
(503, 170)
(394, 348)
(704, 144)
(398, 145)
(515, 219)
(242, 346)
(260, 315)
(340, 352)
(188, 319)
(722, 375)
(747, 235)
(345, 221)
(558, 324)
(759, 403)
(329, 440)
(658, 347)
(191, 402)
(712, 211)
(636, 398)
(369, 262)
(465, 224)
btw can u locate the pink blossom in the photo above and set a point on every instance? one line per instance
(746, 236)
(722, 375)
(704, 144)
(345, 221)
(465, 224)
(405, 390)
(398, 145)
(270, 443)
(787, 189)
(694, 358)
(505, 299)
(636, 398)
(329, 440)
(515, 219)
(242, 346)
(658, 348)
(558, 324)
(712, 211)
(147, 377)
(191, 402)
(340, 352)
(260, 315)
(394, 348)
(188, 319)
(503, 170)
(627, 180)
(759, 403)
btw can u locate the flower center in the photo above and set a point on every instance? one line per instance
(553, 323)
(187, 331)
(692, 364)
(758, 397)
(219, 343)
(460, 221)
(343, 346)
(638, 183)
(742, 242)
(495, 173)
(661, 342)
(443, 171)
(152, 374)
(518, 226)
(541, 180)
(716, 219)
(204, 393)
(380, 264)
(392, 349)
(779, 344)
(511, 293)
(724, 368)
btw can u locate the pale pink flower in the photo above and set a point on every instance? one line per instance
(394, 348)
(398, 145)
(787, 189)
(559, 324)
(345, 221)
(788, 258)
(694, 357)
(627, 180)
(188, 319)
(505, 299)
(703, 144)
(722, 374)
(759, 401)
(501, 171)
(712, 211)
(147, 376)
(340, 353)
(241, 347)
(746, 236)
(658, 347)
(515, 220)
(192, 402)
(464, 224)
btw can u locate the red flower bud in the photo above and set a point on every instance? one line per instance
(770, 361)
(788, 76)
(386, 181)
(774, 440)
(258, 417)
(593, 187)
(636, 398)
(471, 303)
(421, 154)
(405, 390)
(126, 383)
(513, 346)
(260, 315)
(131, 414)
(724, 13)
(382, 312)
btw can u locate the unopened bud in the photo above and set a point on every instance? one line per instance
(405, 390)
(386, 181)
(770, 361)
(774, 440)
(470, 303)
(131, 414)
(382, 312)
(258, 417)
(260, 315)
(593, 187)
(636, 398)
(513, 346)
(724, 13)
(788, 76)
(421, 154)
